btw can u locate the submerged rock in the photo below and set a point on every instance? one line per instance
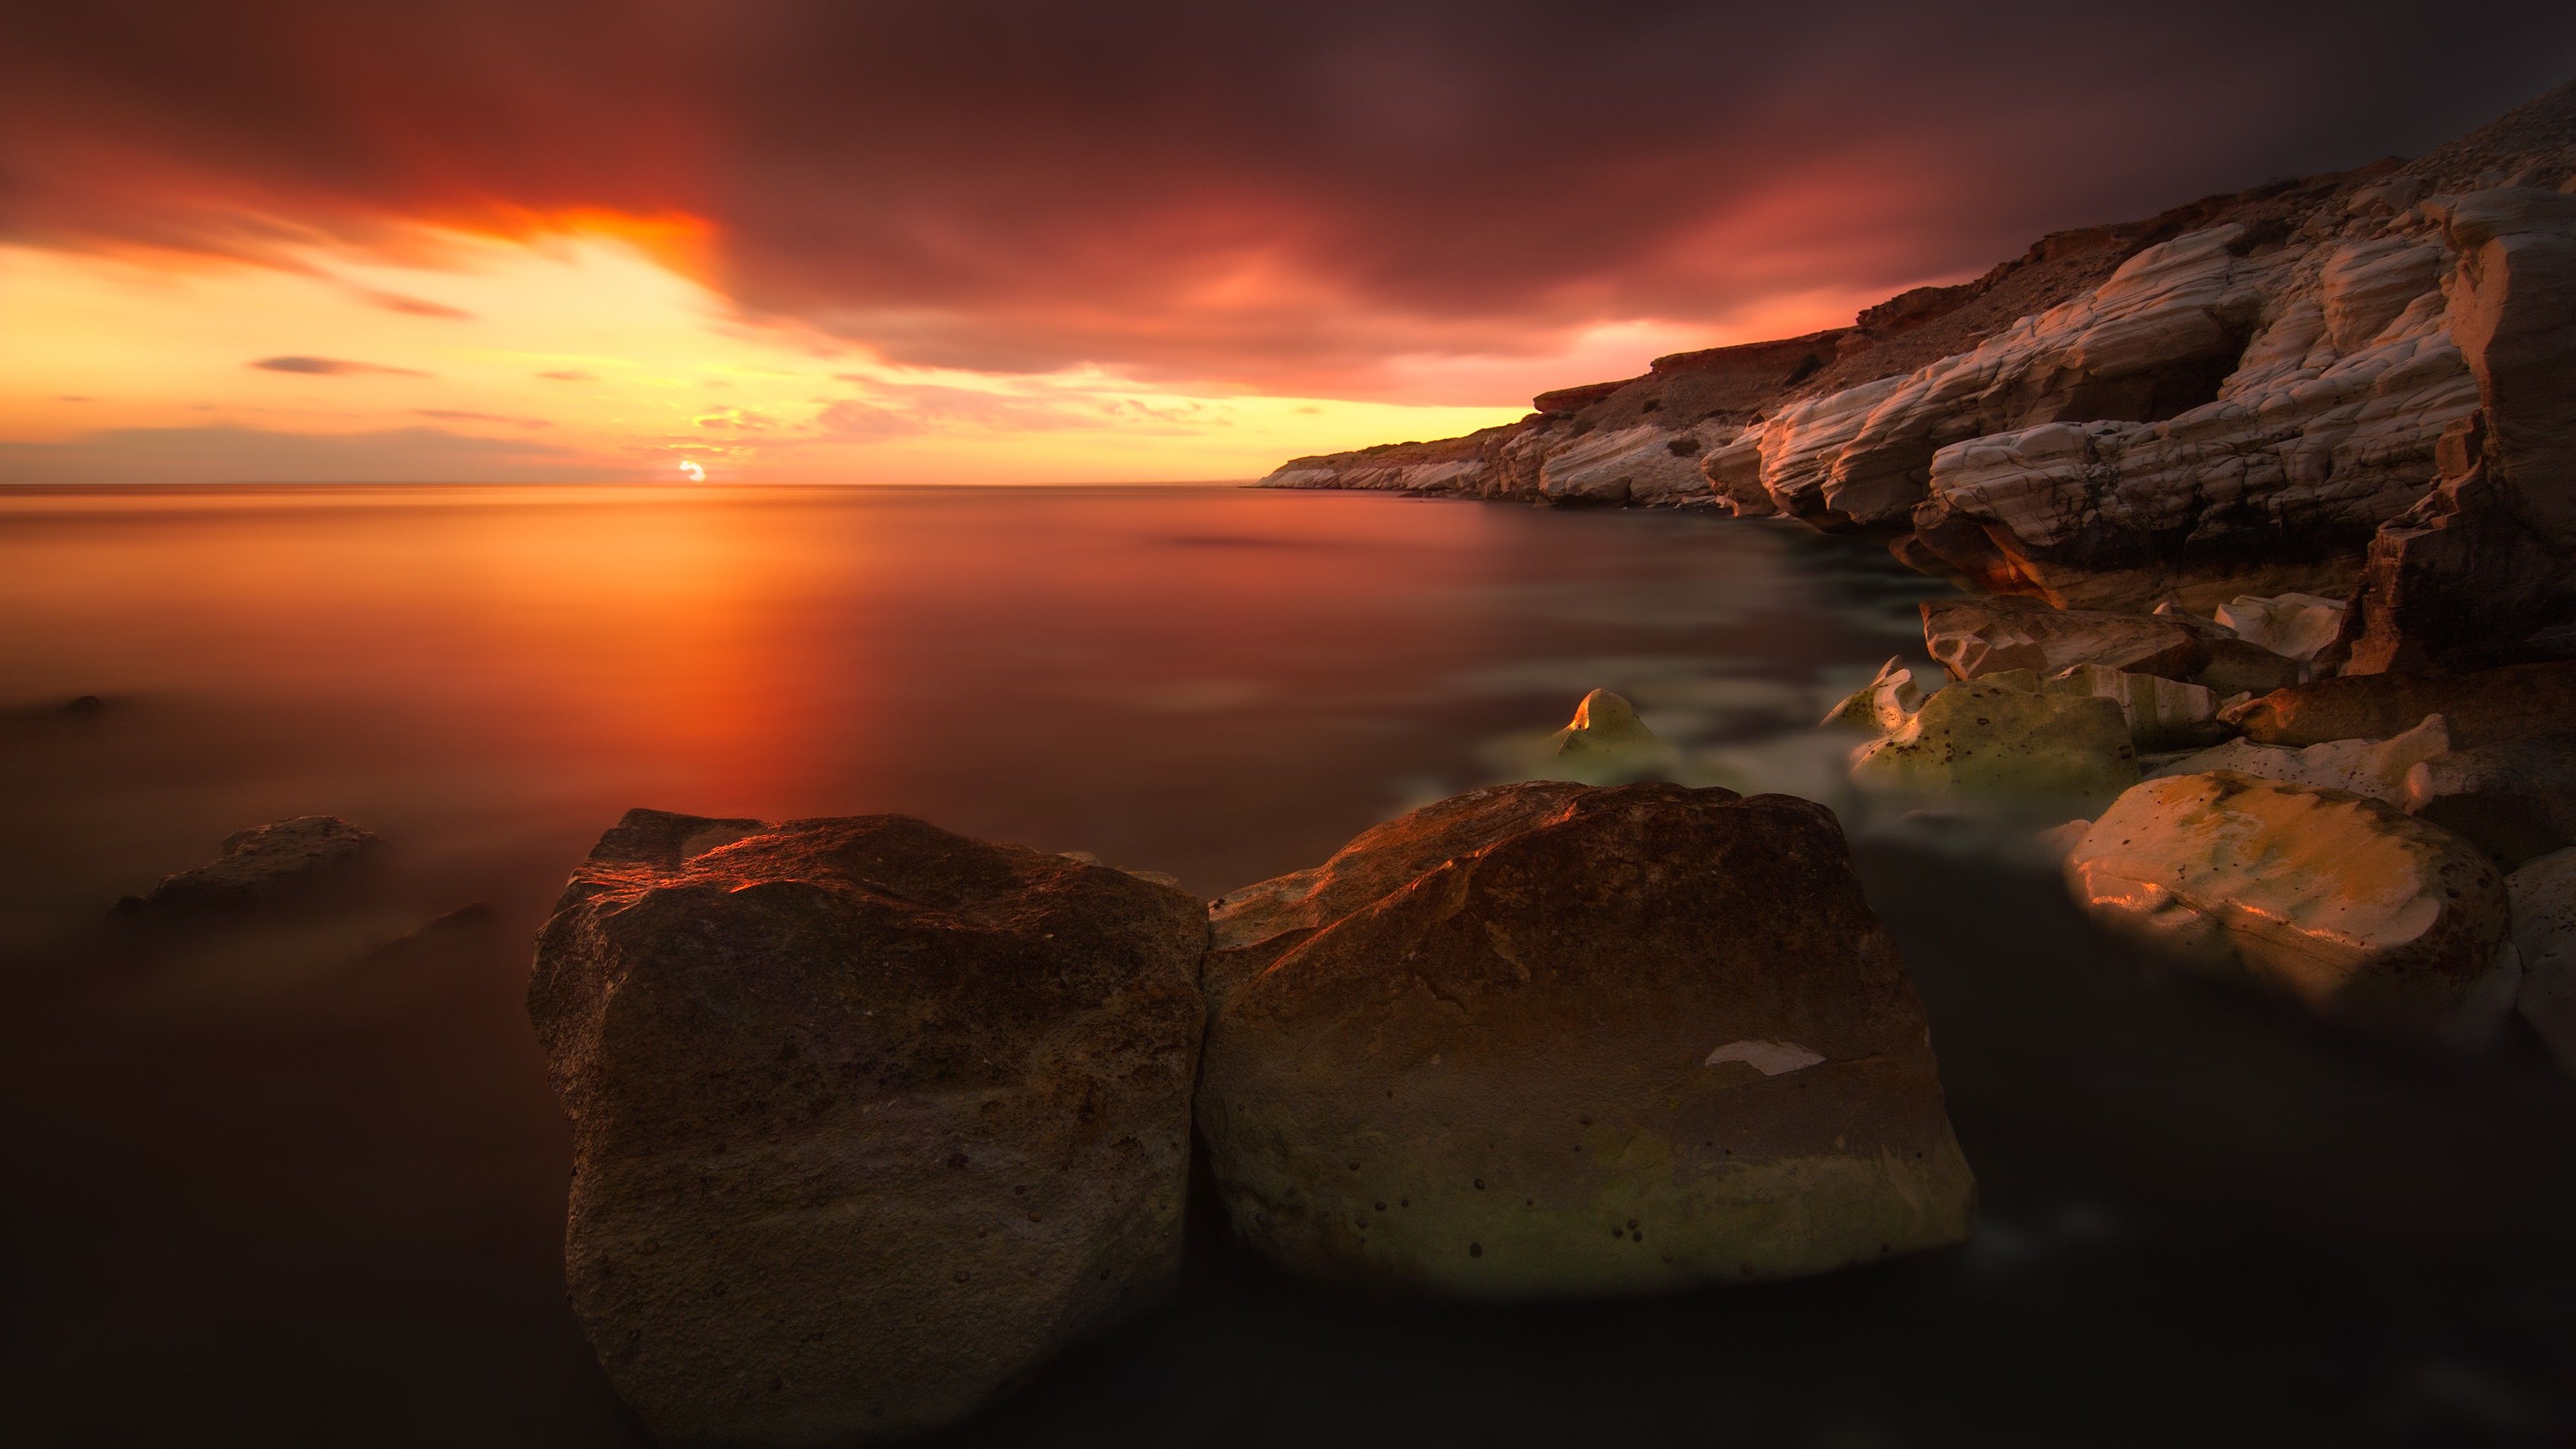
(1984, 736)
(2375, 768)
(259, 866)
(2344, 902)
(2544, 934)
(1608, 745)
(1977, 637)
(2516, 702)
(2515, 799)
(1542, 1040)
(869, 1119)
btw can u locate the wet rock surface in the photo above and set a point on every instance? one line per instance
(1566, 1042)
(263, 866)
(1985, 737)
(869, 1119)
(2343, 902)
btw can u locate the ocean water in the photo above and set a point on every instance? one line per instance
(314, 1192)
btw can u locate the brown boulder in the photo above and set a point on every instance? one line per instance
(259, 866)
(869, 1119)
(2519, 701)
(1545, 1040)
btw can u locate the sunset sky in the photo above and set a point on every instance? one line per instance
(455, 240)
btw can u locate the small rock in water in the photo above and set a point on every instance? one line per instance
(2342, 901)
(869, 1119)
(2376, 768)
(1981, 736)
(2544, 933)
(258, 866)
(1608, 745)
(1488, 1031)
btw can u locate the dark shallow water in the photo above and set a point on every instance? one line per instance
(314, 1196)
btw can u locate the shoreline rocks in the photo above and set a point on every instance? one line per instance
(1543, 1040)
(2351, 392)
(2342, 901)
(869, 1119)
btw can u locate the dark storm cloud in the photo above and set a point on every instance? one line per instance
(1278, 195)
(332, 367)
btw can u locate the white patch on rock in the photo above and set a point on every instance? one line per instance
(1770, 1058)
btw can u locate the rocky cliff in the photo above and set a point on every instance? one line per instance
(2360, 384)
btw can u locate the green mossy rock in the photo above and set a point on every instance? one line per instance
(1995, 737)
(1563, 1042)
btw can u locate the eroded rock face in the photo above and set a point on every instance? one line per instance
(2346, 903)
(1973, 637)
(1645, 464)
(2163, 714)
(869, 1119)
(1543, 1040)
(2520, 701)
(2243, 396)
(2544, 935)
(258, 866)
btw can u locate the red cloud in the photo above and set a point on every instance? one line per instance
(1277, 197)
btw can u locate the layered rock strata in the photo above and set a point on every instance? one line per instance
(2357, 385)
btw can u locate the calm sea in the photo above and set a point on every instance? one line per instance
(315, 1194)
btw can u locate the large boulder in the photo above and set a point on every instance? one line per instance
(2001, 738)
(1544, 1040)
(1974, 637)
(260, 866)
(869, 1119)
(2544, 935)
(2516, 702)
(2347, 903)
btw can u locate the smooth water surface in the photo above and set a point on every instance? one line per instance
(316, 1195)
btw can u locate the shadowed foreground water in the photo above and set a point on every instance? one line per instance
(314, 1195)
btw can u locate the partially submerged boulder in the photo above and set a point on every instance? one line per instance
(1608, 745)
(2344, 902)
(2544, 934)
(2513, 799)
(869, 1119)
(1542, 1041)
(2375, 768)
(1982, 736)
(2518, 701)
(259, 866)
(1879, 707)
(1976, 637)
